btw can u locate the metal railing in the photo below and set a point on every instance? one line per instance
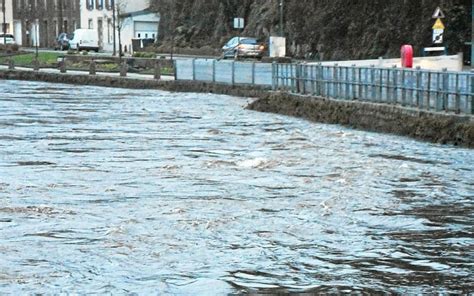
(423, 89)
(427, 90)
(224, 71)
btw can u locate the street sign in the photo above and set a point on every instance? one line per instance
(438, 14)
(238, 23)
(439, 25)
(438, 36)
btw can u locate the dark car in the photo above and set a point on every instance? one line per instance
(62, 41)
(243, 47)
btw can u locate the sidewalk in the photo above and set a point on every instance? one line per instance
(107, 74)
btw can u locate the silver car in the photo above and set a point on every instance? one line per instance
(243, 47)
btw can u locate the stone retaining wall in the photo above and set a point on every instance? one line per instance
(428, 126)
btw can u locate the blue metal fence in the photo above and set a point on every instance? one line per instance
(224, 71)
(428, 90)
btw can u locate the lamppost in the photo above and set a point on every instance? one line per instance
(4, 25)
(281, 18)
(35, 23)
(113, 25)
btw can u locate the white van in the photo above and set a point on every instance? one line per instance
(84, 39)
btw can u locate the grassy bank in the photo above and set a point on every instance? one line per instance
(50, 60)
(46, 59)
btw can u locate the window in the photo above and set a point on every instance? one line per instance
(109, 30)
(90, 4)
(91, 24)
(109, 4)
(99, 4)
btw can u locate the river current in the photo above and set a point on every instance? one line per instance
(107, 190)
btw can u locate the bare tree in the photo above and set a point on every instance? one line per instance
(120, 22)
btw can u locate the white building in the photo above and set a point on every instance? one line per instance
(132, 16)
(8, 17)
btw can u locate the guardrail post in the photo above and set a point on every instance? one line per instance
(472, 92)
(445, 90)
(321, 81)
(62, 65)
(11, 64)
(274, 76)
(36, 65)
(428, 95)
(253, 73)
(380, 86)
(123, 69)
(419, 93)
(335, 79)
(317, 77)
(233, 72)
(354, 82)
(157, 73)
(92, 68)
(298, 78)
(404, 88)
(194, 68)
(214, 70)
(392, 92)
(372, 83)
(458, 96)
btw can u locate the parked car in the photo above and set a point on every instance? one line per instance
(7, 39)
(62, 41)
(243, 47)
(84, 39)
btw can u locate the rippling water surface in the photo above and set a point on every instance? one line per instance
(114, 190)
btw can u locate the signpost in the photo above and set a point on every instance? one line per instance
(438, 14)
(438, 32)
(239, 23)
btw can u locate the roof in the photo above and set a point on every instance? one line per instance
(137, 13)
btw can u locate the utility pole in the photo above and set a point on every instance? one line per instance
(281, 18)
(113, 25)
(472, 35)
(4, 25)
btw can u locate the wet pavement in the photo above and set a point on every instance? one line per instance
(114, 190)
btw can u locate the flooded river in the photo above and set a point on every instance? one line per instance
(115, 190)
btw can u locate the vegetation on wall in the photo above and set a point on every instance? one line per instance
(334, 29)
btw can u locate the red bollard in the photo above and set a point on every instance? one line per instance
(407, 56)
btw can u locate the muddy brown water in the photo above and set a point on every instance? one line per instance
(114, 190)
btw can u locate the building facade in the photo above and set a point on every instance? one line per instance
(7, 16)
(39, 22)
(132, 17)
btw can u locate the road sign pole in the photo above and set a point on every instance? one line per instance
(472, 35)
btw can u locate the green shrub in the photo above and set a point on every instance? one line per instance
(143, 54)
(9, 47)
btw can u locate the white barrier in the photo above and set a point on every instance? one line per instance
(451, 62)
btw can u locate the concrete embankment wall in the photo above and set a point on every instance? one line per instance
(436, 63)
(422, 125)
(428, 126)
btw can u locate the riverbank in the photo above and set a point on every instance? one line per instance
(434, 127)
